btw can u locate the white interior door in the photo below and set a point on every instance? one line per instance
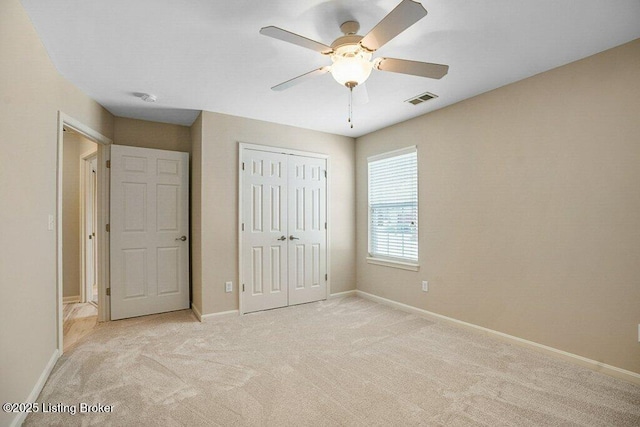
(283, 230)
(307, 229)
(90, 221)
(264, 201)
(149, 229)
(94, 226)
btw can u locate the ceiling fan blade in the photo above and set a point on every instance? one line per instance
(294, 81)
(288, 36)
(406, 14)
(416, 68)
(360, 94)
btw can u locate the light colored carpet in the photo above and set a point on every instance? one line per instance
(345, 361)
(79, 320)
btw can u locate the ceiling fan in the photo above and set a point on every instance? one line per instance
(351, 53)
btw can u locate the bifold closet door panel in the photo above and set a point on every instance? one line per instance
(264, 249)
(307, 229)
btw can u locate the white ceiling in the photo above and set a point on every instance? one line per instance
(208, 55)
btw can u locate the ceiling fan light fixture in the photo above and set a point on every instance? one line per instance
(351, 53)
(351, 64)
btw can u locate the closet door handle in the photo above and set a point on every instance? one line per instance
(293, 238)
(283, 238)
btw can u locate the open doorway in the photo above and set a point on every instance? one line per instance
(78, 236)
(82, 242)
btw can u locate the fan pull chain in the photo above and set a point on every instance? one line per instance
(350, 121)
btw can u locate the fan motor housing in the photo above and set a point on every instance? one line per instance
(345, 41)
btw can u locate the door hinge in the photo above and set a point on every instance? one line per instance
(325, 173)
(108, 228)
(243, 287)
(108, 164)
(108, 292)
(325, 225)
(243, 226)
(326, 277)
(242, 165)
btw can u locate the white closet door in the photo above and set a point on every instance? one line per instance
(284, 237)
(149, 229)
(307, 229)
(264, 248)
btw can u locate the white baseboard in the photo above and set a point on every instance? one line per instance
(579, 360)
(220, 315)
(37, 388)
(342, 294)
(203, 317)
(71, 300)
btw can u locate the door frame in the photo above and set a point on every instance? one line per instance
(85, 163)
(103, 151)
(242, 148)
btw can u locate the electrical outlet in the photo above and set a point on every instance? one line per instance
(425, 286)
(228, 287)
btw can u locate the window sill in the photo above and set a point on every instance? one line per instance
(393, 264)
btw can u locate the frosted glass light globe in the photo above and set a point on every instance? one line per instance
(351, 64)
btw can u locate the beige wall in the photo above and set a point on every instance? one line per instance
(75, 146)
(31, 94)
(142, 133)
(196, 217)
(219, 201)
(529, 209)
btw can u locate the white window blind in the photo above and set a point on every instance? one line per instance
(393, 205)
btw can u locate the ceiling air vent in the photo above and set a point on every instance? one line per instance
(421, 98)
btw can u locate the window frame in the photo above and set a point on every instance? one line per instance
(388, 261)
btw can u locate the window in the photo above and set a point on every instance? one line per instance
(393, 208)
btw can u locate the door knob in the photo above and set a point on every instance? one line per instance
(283, 238)
(293, 238)
(183, 238)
